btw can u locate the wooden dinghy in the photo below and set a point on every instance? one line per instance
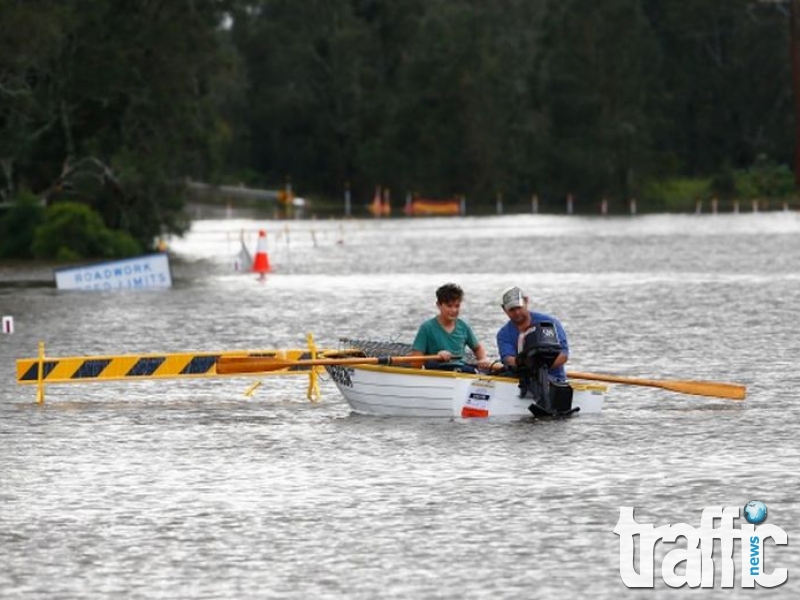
(412, 392)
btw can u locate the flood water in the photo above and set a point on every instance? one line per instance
(191, 489)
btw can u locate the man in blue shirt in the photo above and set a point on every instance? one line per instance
(511, 335)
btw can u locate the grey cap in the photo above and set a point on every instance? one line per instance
(513, 297)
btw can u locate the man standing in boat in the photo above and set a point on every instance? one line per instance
(511, 336)
(447, 335)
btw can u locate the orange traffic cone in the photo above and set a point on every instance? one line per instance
(261, 263)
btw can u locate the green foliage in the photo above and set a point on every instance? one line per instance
(546, 97)
(17, 225)
(73, 231)
(723, 184)
(598, 87)
(676, 194)
(764, 179)
(114, 104)
(725, 83)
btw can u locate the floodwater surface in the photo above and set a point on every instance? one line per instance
(191, 489)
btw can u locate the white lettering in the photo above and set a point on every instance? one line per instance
(691, 555)
(627, 528)
(753, 550)
(726, 534)
(697, 555)
(146, 272)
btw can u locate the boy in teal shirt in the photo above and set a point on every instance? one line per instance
(447, 335)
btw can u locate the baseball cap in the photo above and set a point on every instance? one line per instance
(513, 297)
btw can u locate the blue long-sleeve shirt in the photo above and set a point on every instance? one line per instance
(508, 341)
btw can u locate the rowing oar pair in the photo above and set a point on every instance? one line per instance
(227, 365)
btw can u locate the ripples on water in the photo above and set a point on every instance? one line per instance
(189, 489)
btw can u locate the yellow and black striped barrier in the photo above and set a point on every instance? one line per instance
(131, 367)
(80, 369)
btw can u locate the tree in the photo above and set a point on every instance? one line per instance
(18, 225)
(111, 104)
(307, 71)
(597, 85)
(726, 95)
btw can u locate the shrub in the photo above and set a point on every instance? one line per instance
(765, 179)
(676, 194)
(73, 231)
(17, 226)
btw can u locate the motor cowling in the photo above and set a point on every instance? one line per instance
(539, 349)
(540, 346)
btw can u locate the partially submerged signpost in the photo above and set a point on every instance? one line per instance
(143, 272)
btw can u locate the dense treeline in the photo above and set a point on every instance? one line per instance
(113, 104)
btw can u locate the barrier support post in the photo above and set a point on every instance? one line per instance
(313, 392)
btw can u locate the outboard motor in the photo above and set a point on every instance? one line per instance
(540, 348)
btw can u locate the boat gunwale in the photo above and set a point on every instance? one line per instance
(598, 387)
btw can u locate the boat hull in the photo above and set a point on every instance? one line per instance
(407, 392)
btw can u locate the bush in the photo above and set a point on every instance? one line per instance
(676, 194)
(73, 231)
(18, 224)
(765, 179)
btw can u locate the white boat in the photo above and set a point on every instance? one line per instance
(412, 392)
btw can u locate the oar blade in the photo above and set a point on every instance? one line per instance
(731, 391)
(230, 365)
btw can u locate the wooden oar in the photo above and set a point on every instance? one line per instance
(699, 388)
(252, 364)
